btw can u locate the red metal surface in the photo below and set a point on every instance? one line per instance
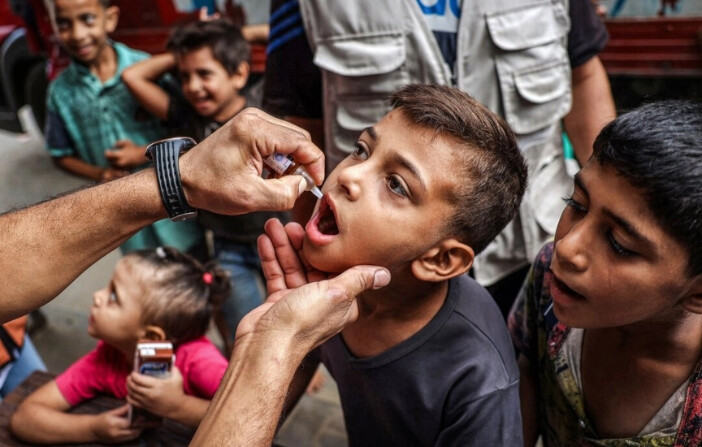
(258, 58)
(654, 47)
(7, 16)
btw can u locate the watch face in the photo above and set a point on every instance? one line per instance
(181, 143)
(184, 216)
(185, 143)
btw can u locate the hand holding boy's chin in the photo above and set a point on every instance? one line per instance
(300, 319)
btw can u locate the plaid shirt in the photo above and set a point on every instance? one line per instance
(86, 116)
(539, 336)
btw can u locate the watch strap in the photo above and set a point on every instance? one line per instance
(165, 155)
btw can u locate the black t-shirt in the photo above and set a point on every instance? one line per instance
(588, 35)
(293, 84)
(453, 383)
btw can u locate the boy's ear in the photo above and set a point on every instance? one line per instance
(692, 302)
(154, 333)
(111, 18)
(241, 75)
(446, 260)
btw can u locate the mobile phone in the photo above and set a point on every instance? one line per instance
(152, 359)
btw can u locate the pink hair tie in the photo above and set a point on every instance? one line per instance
(207, 278)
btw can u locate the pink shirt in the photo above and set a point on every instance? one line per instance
(104, 370)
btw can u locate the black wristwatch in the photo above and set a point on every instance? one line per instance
(165, 154)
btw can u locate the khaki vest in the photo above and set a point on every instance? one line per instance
(511, 56)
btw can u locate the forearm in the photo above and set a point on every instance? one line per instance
(46, 246)
(149, 69)
(246, 409)
(593, 107)
(42, 425)
(141, 79)
(256, 33)
(76, 166)
(298, 385)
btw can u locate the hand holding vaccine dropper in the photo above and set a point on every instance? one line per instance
(285, 165)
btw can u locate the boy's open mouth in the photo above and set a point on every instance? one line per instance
(327, 220)
(323, 227)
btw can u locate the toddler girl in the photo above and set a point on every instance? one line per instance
(156, 295)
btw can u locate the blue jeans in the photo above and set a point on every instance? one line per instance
(27, 362)
(243, 264)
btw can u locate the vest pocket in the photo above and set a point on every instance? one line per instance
(532, 64)
(361, 55)
(360, 73)
(353, 114)
(533, 99)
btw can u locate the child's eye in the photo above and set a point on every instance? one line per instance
(88, 19)
(63, 25)
(112, 297)
(570, 202)
(396, 186)
(360, 151)
(618, 248)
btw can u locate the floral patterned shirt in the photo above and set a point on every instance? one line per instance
(539, 336)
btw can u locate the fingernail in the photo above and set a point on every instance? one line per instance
(301, 187)
(381, 278)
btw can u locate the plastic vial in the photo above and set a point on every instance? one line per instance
(286, 165)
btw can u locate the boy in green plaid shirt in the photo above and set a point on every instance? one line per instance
(95, 128)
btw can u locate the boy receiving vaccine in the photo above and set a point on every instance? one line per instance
(609, 323)
(428, 360)
(155, 295)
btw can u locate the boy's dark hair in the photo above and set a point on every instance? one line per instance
(222, 36)
(490, 174)
(658, 148)
(183, 293)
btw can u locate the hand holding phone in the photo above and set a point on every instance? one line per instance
(153, 359)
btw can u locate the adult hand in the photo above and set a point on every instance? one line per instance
(223, 173)
(126, 155)
(271, 341)
(160, 396)
(303, 303)
(311, 314)
(112, 426)
(280, 250)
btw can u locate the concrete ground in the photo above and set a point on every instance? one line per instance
(28, 176)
